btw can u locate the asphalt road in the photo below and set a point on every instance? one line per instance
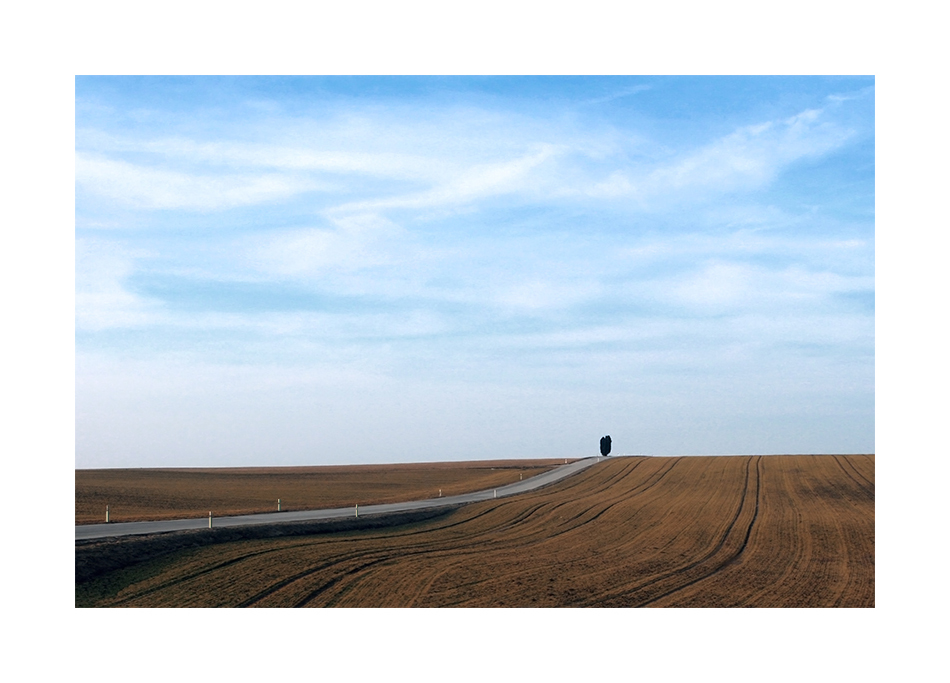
(92, 531)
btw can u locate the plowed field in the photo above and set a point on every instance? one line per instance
(760, 531)
(135, 495)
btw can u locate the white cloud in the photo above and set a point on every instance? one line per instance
(546, 295)
(542, 251)
(149, 188)
(723, 285)
(479, 181)
(717, 285)
(746, 159)
(307, 156)
(623, 92)
(355, 242)
(845, 255)
(751, 156)
(102, 300)
(439, 161)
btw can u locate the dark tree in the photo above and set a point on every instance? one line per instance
(605, 445)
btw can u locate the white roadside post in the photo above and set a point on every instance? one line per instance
(278, 505)
(357, 509)
(209, 519)
(107, 514)
(440, 493)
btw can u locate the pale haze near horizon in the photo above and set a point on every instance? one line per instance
(351, 270)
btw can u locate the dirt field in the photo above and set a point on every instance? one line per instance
(761, 531)
(149, 494)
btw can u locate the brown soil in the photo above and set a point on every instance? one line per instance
(760, 531)
(135, 495)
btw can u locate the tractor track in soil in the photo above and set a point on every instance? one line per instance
(629, 531)
(728, 560)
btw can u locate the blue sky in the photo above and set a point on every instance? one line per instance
(332, 270)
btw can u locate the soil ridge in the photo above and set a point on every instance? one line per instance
(99, 556)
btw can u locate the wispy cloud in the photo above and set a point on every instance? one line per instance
(747, 159)
(151, 188)
(481, 181)
(256, 155)
(351, 242)
(537, 247)
(102, 299)
(536, 168)
(722, 286)
(620, 94)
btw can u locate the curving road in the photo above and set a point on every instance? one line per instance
(93, 531)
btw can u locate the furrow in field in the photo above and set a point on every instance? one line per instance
(854, 476)
(183, 575)
(699, 531)
(866, 464)
(854, 468)
(809, 547)
(466, 537)
(469, 538)
(732, 555)
(647, 592)
(534, 542)
(536, 545)
(576, 545)
(776, 551)
(633, 551)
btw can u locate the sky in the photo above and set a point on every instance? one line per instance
(331, 270)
